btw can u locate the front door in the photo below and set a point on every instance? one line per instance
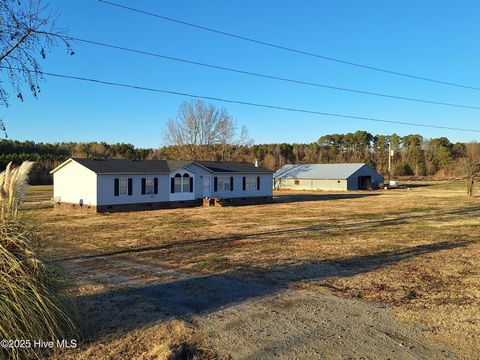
(206, 186)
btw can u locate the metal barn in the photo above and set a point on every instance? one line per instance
(351, 176)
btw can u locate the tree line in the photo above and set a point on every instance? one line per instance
(413, 155)
(48, 156)
(202, 131)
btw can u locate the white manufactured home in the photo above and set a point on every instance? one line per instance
(350, 176)
(120, 185)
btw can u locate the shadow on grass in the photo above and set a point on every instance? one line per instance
(352, 224)
(125, 309)
(412, 184)
(291, 198)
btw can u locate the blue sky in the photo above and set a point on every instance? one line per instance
(436, 39)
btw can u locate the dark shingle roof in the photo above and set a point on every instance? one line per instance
(232, 166)
(113, 166)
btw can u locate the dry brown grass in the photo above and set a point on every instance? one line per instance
(417, 251)
(172, 340)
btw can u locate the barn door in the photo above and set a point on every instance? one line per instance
(364, 182)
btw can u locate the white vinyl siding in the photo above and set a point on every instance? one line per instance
(106, 195)
(74, 183)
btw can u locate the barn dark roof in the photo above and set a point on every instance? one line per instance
(232, 166)
(114, 166)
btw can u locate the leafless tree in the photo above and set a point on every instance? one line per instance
(27, 32)
(470, 165)
(204, 132)
(269, 162)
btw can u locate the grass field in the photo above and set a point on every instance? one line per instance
(416, 251)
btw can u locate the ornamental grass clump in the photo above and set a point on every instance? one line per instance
(33, 304)
(13, 188)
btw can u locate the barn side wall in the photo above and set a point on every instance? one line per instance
(312, 184)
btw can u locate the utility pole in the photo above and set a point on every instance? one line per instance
(390, 154)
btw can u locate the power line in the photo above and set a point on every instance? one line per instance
(266, 76)
(272, 45)
(247, 103)
(251, 73)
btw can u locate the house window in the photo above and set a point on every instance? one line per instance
(297, 182)
(149, 185)
(186, 183)
(223, 183)
(251, 183)
(181, 183)
(122, 186)
(178, 183)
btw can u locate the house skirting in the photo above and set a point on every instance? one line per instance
(252, 200)
(74, 208)
(148, 206)
(89, 209)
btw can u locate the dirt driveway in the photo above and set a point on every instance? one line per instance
(248, 317)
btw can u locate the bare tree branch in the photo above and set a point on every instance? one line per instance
(27, 33)
(470, 165)
(203, 132)
(17, 44)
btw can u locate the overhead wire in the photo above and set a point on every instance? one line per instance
(240, 102)
(289, 49)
